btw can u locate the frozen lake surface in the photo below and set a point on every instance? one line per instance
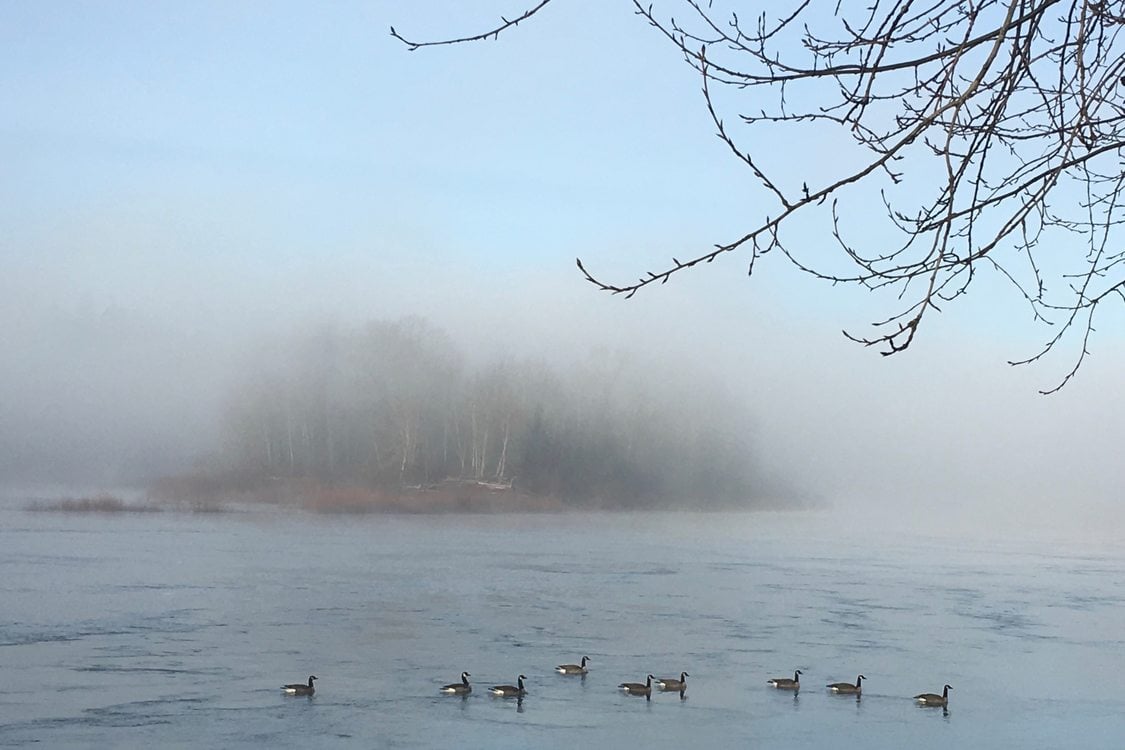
(163, 630)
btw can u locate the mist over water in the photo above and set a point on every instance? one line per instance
(215, 197)
(94, 410)
(188, 197)
(173, 630)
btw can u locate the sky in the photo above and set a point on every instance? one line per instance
(180, 179)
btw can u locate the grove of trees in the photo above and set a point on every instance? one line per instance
(394, 405)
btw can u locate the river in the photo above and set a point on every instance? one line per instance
(176, 630)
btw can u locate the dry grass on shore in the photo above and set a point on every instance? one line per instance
(95, 504)
(194, 494)
(449, 497)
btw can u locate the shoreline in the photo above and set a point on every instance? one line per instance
(470, 498)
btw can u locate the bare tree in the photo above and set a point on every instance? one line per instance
(993, 130)
(374, 406)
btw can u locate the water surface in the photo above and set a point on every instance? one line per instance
(176, 631)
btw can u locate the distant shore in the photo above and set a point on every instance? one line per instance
(196, 495)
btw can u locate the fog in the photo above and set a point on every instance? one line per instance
(98, 396)
(156, 237)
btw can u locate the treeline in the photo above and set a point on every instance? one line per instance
(393, 405)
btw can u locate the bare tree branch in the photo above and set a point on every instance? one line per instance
(505, 24)
(994, 131)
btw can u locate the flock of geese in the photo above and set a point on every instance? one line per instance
(664, 684)
(846, 688)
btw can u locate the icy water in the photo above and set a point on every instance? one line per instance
(163, 630)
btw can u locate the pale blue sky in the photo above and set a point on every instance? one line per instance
(281, 133)
(218, 168)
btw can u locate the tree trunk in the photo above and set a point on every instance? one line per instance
(501, 464)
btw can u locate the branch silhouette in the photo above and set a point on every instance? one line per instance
(993, 130)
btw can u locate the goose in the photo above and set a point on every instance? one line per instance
(299, 688)
(458, 688)
(574, 668)
(930, 699)
(848, 688)
(784, 683)
(510, 691)
(670, 684)
(638, 688)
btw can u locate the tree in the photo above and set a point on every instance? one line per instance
(993, 130)
(390, 405)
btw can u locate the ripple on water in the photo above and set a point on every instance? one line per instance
(384, 630)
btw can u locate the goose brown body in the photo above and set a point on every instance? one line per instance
(638, 688)
(846, 688)
(574, 668)
(784, 683)
(510, 691)
(458, 688)
(300, 688)
(933, 699)
(671, 684)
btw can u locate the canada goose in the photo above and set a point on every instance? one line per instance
(784, 683)
(574, 668)
(930, 699)
(846, 688)
(510, 691)
(300, 688)
(458, 688)
(638, 688)
(669, 684)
